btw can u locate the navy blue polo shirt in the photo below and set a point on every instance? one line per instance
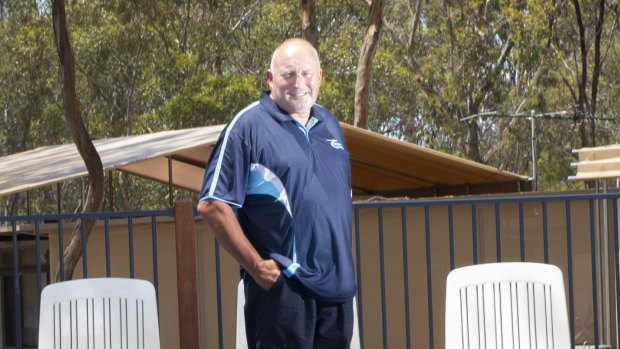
(291, 186)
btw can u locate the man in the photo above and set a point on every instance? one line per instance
(283, 164)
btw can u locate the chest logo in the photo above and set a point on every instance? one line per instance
(335, 143)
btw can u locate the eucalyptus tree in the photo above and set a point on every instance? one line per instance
(309, 29)
(464, 59)
(145, 66)
(81, 138)
(364, 65)
(29, 98)
(585, 44)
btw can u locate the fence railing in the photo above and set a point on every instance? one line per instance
(25, 230)
(579, 233)
(403, 251)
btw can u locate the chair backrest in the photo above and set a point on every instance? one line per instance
(99, 313)
(241, 338)
(506, 305)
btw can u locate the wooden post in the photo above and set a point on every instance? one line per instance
(187, 283)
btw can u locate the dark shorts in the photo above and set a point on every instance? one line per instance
(284, 318)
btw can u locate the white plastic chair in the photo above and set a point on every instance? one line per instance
(242, 342)
(506, 305)
(99, 313)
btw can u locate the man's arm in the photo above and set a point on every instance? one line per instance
(221, 218)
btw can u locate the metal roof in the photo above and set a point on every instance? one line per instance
(379, 165)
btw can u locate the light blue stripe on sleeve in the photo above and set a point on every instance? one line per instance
(222, 200)
(218, 166)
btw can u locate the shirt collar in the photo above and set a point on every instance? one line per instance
(313, 121)
(281, 115)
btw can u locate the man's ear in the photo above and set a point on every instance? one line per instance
(269, 75)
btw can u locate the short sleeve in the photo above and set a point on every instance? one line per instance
(226, 174)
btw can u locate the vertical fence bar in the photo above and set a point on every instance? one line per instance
(405, 275)
(606, 304)
(569, 252)
(358, 260)
(131, 259)
(37, 237)
(616, 264)
(498, 235)
(594, 288)
(108, 268)
(155, 269)
(451, 235)
(84, 261)
(61, 257)
(521, 232)
(474, 233)
(16, 288)
(382, 268)
(545, 232)
(429, 285)
(218, 281)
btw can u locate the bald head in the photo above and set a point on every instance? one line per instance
(295, 78)
(294, 41)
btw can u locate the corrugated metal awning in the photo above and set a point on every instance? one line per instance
(379, 165)
(385, 166)
(145, 155)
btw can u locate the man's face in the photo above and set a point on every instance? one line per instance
(295, 78)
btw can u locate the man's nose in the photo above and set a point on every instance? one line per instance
(299, 80)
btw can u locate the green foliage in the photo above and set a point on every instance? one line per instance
(151, 65)
(203, 100)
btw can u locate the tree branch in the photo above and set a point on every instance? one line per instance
(482, 92)
(94, 84)
(414, 29)
(581, 81)
(596, 70)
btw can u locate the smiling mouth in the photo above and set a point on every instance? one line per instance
(299, 94)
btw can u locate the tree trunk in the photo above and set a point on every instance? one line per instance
(586, 129)
(73, 250)
(472, 145)
(364, 66)
(309, 30)
(596, 70)
(414, 27)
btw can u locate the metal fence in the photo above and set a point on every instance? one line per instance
(22, 229)
(579, 233)
(404, 251)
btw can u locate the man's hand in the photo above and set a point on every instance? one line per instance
(223, 222)
(265, 273)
